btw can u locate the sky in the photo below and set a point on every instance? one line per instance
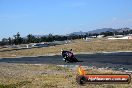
(41, 17)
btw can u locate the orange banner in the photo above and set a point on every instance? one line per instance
(104, 78)
(101, 78)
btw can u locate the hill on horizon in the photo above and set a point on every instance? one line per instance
(101, 30)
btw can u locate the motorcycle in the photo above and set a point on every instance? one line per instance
(69, 57)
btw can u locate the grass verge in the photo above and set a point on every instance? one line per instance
(47, 76)
(95, 45)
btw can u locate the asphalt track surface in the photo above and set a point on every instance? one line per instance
(112, 60)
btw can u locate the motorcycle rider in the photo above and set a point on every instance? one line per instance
(68, 56)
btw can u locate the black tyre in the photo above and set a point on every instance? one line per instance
(81, 80)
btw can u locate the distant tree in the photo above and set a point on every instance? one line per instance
(10, 41)
(115, 33)
(24, 41)
(130, 32)
(43, 39)
(108, 33)
(73, 36)
(57, 37)
(88, 34)
(31, 38)
(4, 41)
(95, 34)
(17, 39)
(50, 38)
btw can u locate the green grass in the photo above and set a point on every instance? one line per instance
(17, 85)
